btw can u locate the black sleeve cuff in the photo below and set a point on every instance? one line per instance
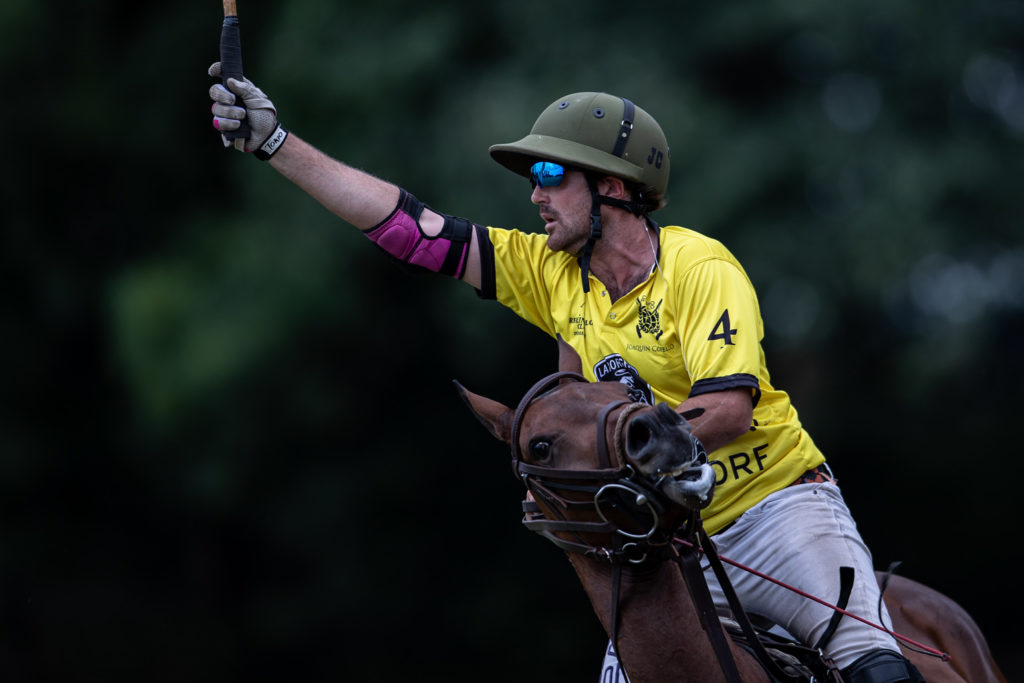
(707, 386)
(488, 285)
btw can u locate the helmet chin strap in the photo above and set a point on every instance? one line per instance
(628, 114)
(596, 227)
(595, 233)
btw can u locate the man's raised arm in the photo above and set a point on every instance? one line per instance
(393, 219)
(357, 197)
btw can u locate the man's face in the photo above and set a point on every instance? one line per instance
(565, 210)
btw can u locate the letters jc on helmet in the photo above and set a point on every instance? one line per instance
(597, 132)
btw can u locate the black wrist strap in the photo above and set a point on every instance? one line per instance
(271, 144)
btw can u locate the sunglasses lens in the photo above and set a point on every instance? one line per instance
(546, 174)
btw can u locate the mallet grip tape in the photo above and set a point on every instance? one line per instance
(231, 61)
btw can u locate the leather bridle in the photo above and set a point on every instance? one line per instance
(614, 486)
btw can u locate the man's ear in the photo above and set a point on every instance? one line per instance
(610, 186)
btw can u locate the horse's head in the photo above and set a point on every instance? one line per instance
(584, 448)
(576, 425)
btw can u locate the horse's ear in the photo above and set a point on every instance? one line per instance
(493, 415)
(568, 359)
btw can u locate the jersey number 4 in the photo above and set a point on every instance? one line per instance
(723, 329)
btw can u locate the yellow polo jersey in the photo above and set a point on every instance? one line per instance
(693, 327)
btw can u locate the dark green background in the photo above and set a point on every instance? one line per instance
(229, 445)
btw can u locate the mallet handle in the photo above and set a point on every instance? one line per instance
(231, 58)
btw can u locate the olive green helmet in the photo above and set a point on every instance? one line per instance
(596, 132)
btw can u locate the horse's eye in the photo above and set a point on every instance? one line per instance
(540, 449)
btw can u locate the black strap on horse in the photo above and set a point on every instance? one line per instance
(738, 612)
(704, 604)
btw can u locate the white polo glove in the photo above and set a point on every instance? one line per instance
(265, 133)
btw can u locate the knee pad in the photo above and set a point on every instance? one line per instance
(882, 666)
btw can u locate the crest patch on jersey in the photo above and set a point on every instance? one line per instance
(614, 368)
(580, 322)
(649, 320)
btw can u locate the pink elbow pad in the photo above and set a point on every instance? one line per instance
(400, 236)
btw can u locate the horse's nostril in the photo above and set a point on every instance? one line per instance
(637, 436)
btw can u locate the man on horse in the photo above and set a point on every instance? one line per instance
(666, 310)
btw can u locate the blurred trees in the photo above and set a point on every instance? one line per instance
(229, 443)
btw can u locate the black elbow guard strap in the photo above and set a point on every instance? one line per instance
(401, 236)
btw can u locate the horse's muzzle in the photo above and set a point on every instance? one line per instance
(659, 439)
(661, 445)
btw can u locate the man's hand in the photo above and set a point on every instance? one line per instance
(266, 134)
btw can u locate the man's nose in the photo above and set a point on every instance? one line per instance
(538, 195)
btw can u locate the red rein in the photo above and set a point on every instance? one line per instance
(932, 651)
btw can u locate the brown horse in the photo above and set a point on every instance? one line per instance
(571, 439)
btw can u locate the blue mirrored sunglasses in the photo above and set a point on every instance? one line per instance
(546, 174)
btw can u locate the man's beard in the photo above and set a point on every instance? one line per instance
(566, 237)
